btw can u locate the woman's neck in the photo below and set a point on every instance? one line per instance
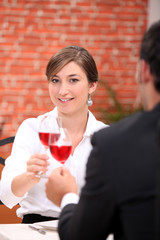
(76, 126)
(75, 122)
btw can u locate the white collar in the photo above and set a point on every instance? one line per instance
(91, 123)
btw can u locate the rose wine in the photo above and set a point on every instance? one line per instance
(44, 137)
(61, 153)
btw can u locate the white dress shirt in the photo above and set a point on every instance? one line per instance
(26, 144)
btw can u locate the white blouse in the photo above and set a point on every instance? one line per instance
(26, 144)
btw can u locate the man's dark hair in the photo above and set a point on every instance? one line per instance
(150, 51)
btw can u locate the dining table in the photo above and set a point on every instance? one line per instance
(37, 231)
(27, 232)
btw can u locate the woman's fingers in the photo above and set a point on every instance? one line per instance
(37, 162)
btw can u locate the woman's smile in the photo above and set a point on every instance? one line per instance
(65, 100)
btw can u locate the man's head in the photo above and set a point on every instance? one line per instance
(148, 71)
(150, 51)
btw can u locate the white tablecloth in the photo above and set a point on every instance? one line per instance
(23, 232)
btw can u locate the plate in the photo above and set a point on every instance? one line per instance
(49, 225)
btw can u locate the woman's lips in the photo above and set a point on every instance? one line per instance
(65, 100)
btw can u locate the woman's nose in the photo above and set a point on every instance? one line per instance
(63, 89)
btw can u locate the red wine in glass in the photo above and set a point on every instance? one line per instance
(62, 147)
(60, 153)
(44, 137)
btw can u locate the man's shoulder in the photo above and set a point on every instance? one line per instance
(125, 125)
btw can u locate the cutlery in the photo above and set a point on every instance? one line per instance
(37, 229)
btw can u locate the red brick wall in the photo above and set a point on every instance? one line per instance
(31, 31)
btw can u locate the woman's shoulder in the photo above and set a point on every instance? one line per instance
(95, 124)
(33, 121)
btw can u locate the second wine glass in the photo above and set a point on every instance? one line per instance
(61, 147)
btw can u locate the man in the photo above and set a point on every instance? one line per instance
(120, 191)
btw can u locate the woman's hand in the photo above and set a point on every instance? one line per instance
(37, 163)
(25, 181)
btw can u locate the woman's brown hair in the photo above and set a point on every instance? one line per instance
(76, 54)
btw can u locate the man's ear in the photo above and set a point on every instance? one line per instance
(145, 72)
(92, 87)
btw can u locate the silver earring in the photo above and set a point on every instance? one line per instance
(89, 102)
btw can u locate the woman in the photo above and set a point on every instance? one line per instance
(72, 78)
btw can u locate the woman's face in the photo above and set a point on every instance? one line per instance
(69, 89)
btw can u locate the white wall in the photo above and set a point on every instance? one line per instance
(153, 11)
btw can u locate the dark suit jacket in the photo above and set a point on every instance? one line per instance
(120, 190)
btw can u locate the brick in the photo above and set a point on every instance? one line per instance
(32, 31)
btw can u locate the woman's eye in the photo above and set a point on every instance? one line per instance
(74, 80)
(54, 80)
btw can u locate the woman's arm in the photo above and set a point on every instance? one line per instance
(18, 173)
(25, 181)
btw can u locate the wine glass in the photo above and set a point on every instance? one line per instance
(60, 147)
(47, 125)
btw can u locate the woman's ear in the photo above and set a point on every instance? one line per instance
(92, 87)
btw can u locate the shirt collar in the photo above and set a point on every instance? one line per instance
(91, 123)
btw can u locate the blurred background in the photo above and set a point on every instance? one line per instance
(31, 31)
